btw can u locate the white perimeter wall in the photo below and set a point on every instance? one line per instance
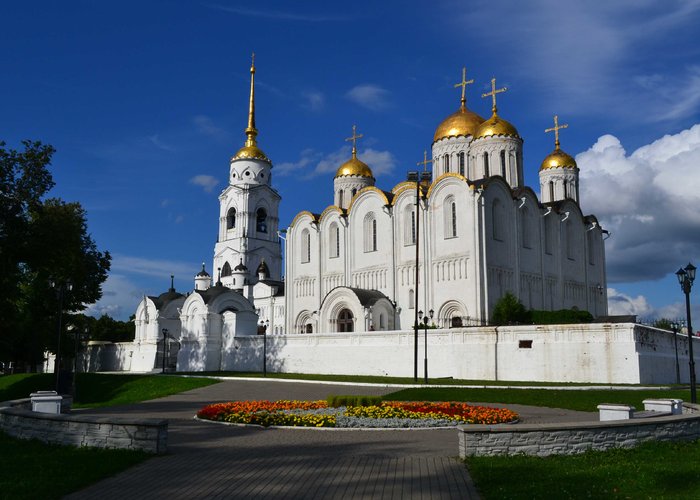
(596, 353)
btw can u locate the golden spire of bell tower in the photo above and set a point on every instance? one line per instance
(464, 84)
(556, 128)
(251, 131)
(493, 93)
(250, 149)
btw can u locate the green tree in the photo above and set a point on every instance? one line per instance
(40, 240)
(663, 324)
(510, 311)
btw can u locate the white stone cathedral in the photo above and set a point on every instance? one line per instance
(476, 233)
(481, 233)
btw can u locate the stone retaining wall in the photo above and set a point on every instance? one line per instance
(569, 439)
(149, 435)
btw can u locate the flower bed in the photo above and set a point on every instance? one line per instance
(388, 414)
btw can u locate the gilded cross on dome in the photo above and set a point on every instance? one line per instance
(556, 130)
(493, 93)
(354, 138)
(425, 161)
(464, 84)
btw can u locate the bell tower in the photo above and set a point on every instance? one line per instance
(249, 211)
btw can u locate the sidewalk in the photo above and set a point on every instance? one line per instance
(219, 461)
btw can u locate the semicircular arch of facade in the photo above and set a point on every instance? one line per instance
(440, 181)
(367, 191)
(330, 211)
(304, 213)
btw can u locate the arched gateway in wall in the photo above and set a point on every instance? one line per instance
(347, 309)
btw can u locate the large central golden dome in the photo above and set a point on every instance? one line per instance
(461, 123)
(354, 167)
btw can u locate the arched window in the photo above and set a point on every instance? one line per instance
(226, 270)
(566, 189)
(568, 227)
(525, 228)
(345, 321)
(409, 221)
(354, 191)
(382, 322)
(261, 220)
(333, 240)
(305, 246)
(551, 190)
(497, 219)
(370, 233)
(590, 236)
(503, 163)
(548, 233)
(456, 322)
(231, 218)
(446, 163)
(340, 198)
(486, 164)
(411, 300)
(460, 159)
(450, 217)
(309, 328)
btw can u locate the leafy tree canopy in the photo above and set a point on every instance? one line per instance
(42, 240)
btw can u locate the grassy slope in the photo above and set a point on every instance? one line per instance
(95, 389)
(583, 400)
(652, 470)
(31, 469)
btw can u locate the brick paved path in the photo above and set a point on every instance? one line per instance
(207, 460)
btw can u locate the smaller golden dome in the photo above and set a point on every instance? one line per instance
(558, 159)
(252, 152)
(496, 126)
(354, 167)
(460, 123)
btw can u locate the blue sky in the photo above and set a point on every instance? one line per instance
(147, 101)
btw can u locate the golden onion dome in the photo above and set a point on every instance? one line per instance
(354, 167)
(250, 152)
(496, 126)
(558, 159)
(461, 123)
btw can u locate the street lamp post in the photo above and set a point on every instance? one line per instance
(675, 327)
(165, 338)
(418, 178)
(685, 278)
(425, 343)
(61, 289)
(263, 327)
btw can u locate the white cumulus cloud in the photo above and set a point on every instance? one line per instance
(207, 182)
(370, 96)
(649, 200)
(312, 163)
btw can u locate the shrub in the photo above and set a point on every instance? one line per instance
(352, 400)
(563, 316)
(510, 311)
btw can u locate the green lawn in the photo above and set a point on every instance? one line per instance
(583, 400)
(95, 389)
(389, 380)
(652, 470)
(31, 469)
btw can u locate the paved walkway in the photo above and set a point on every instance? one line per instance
(208, 460)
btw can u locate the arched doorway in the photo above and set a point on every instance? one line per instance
(345, 321)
